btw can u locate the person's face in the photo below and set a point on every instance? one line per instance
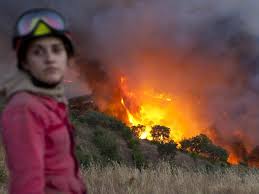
(46, 60)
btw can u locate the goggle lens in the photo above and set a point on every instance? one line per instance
(27, 23)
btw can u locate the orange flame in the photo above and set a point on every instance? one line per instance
(143, 108)
(232, 159)
(154, 108)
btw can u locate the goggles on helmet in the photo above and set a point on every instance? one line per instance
(37, 23)
(30, 20)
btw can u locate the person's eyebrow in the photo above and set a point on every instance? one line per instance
(59, 44)
(34, 46)
(41, 46)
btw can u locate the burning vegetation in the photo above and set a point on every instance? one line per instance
(157, 117)
(176, 77)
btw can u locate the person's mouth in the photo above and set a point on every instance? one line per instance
(51, 70)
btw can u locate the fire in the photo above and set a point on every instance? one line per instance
(232, 159)
(148, 108)
(149, 111)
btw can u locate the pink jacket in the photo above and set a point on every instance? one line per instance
(39, 143)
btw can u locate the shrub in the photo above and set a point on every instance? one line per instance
(133, 143)
(84, 158)
(138, 130)
(167, 150)
(107, 145)
(93, 118)
(104, 139)
(138, 158)
(160, 133)
(203, 146)
(126, 133)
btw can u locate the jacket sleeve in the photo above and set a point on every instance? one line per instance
(23, 138)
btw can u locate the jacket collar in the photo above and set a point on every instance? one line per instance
(21, 81)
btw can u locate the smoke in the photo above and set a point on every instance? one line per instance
(202, 51)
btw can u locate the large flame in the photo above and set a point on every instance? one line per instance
(148, 108)
(143, 108)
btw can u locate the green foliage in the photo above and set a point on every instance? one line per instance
(104, 140)
(107, 145)
(85, 159)
(93, 118)
(73, 117)
(203, 146)
(133, 143)
(167, 150)
(3, 175)
(138, 158)
(126, 132)
(160, 133)
(195, 144)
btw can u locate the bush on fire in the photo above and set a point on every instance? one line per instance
(203, 146)
(160, 134)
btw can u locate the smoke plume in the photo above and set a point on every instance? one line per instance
(203, 52)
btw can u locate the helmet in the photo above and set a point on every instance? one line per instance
(37, 23)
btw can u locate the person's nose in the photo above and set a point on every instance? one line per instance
(49, 59)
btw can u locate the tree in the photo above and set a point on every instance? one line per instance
(203, 146)
(160, 133)
(138, 130)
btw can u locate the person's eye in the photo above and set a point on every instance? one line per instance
(37, 51)
(57, 49)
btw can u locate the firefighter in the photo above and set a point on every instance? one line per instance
(36, 132)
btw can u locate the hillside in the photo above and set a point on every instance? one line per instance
(113, 160)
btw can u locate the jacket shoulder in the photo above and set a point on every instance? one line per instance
(24, 102)
(24, 99)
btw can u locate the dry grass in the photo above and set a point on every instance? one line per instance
(164, 179)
